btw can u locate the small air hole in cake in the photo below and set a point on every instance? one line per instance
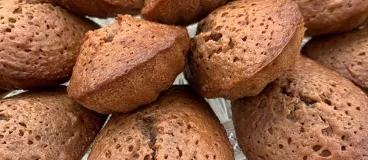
(347, 54)
(310, 112)
(39, 44)
(46, 125)
(127, 64)
(243, 46)
(332, 16)
(178, 125)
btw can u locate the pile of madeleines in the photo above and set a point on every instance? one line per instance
(284, 105)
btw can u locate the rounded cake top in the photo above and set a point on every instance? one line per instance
(242, 37)
(179, 125)
(101, 8)
(345, 53)
(179, 12)
(46, 125)
(118, 49)
(310, 112)
(332, 16)
(39, 41)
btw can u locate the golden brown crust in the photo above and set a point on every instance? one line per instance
(347, 54)
(101, 8)
(310, 112)
(39, 44)
(332, 16)
(179, 12)
(179, 125)
(46, 125)
(127, 64)
(236, 44)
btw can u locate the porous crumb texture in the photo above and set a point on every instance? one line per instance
(179, 125)
(179, 12)
(243, 46)
(309, 113)
(346, 53)
(332, 16)
(101, 8)
(39, 44)
(46, 125)
(127, 64)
